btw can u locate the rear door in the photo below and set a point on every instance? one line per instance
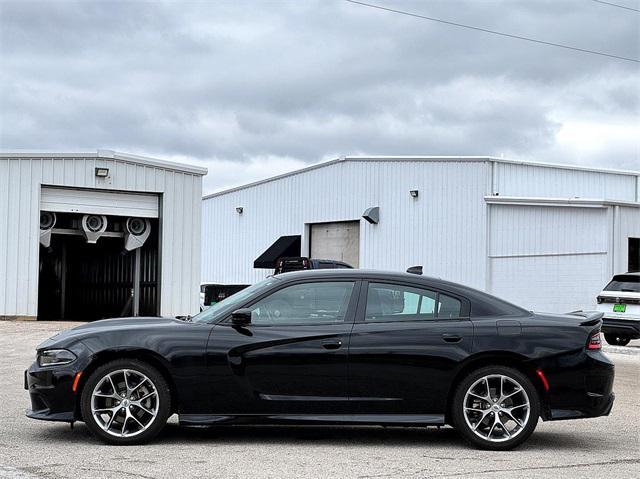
(404, 347)
(292, 358)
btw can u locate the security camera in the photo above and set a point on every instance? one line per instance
(137, 230)
(93, 226)
(47, 222)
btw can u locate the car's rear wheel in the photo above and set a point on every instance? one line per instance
(495, 407)
(617, 340)
(126, 402)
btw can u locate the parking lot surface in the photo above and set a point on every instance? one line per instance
(595, 448)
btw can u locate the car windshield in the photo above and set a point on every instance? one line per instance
(624, 282)
(227, 305)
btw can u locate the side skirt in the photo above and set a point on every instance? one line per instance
(363, 419)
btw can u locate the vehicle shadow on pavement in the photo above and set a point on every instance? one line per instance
(366, 436)
(316, 435)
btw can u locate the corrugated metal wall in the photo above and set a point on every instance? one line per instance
(443, 229)
(446, 228)
(180, 195)
(513, 179)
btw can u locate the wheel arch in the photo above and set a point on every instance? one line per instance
(496, 358)
(145, 355)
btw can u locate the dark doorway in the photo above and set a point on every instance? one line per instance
(85, 282)
(634, 255)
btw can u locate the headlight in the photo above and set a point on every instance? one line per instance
(55, 357)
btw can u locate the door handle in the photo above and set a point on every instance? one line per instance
(333, 344)
(452, 338)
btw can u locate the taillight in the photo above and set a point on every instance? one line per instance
(594, 341)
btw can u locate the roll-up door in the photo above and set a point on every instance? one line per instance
(548, 258)
(99, 202)
(339, 241)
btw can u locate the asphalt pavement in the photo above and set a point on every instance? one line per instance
(594, 448)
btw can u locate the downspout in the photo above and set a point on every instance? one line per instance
(492, 192)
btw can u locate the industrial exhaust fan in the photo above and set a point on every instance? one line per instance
(134, 231)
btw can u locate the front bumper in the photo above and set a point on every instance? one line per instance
(623, 327)
(51, 393)
(581, 386)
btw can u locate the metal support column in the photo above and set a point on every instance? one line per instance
(136, 283)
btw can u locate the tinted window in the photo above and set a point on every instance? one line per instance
(387, 302)
(628, 283)
(225, 307)
(306, 303)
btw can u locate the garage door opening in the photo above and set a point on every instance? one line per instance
(339, 241)
(634, 255)
(85, 278)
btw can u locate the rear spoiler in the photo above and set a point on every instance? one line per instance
(591, 318)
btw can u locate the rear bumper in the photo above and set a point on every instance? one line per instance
(581, 386)
(626, 327)
(51, 394)
(597, 406)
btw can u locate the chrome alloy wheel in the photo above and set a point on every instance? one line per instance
(125, 403)
(496, 408)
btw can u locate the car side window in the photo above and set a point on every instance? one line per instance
(387, 302)
(306, 303)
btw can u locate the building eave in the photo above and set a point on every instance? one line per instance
(562, 202)
(112, 155)
(453, 159)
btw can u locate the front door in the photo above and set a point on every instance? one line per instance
(292, 358)
(405, 344)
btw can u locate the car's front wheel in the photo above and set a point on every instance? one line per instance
(126, 402)
(495, 407)
(617, 340)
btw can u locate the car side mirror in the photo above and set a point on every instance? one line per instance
(241, 317)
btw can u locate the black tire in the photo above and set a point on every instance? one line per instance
(520, 435)
(158, 384)
(616, 339)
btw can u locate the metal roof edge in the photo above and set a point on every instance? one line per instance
(274, 178)
(495, 159)
(400, 158)
(550, 201)
(113, 155)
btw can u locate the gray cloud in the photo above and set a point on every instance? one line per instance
(289, 83)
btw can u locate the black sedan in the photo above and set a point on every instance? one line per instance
(330, 347)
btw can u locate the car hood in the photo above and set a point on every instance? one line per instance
(104, 326)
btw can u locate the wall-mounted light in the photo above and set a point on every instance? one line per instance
(102, 172)
(414, 193)
(239, 210)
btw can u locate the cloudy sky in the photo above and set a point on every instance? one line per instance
(252, 89)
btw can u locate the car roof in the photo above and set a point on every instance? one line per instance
(368, 274)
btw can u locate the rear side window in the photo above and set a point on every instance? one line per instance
(627, 283)
(386, 302)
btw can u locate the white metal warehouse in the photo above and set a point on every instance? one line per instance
(92, 235)
(545, 236)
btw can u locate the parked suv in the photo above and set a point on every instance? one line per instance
(620, 303)
(299, 263)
